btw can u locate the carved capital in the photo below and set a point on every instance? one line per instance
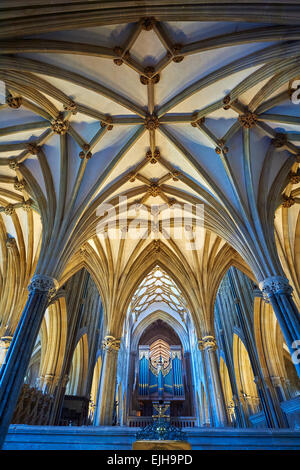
(275, 285)
(43, 284)
(248, 120)
(5, 342)
(207, 343)
(110, 343)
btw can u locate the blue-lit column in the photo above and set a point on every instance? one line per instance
(278, 292)
(208, 346)
(19, 353)
(271, 409)
(107, 388)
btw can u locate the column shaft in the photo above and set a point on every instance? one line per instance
(216, 396)
(107, 389)
(18, 357)
(278, 292)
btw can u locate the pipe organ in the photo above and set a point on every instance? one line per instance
(162, 378)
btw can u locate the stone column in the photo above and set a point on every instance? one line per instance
(277, 291)
(4, 346)
(18, 356)
(107, 389)
(208, 346)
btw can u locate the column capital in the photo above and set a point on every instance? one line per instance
(5, 342)
(275, 285)
(44, 284)
(110, 343)
(207, 343)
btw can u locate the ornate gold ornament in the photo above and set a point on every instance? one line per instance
(248, 120)
(294, 178)
(14, 102)
(148, 23)
(13, 165)
(154, 190)
(85, 152)
(197, 122)
(176, 49)
(107, 124)
(132, 177)
(148, 78)
(222, 148)
(288, 201)
(19, 186)
(226, 101)
(156, 245)
(153, 158)
(175, 175)
(60, 125)
(9, 209)
(27, 206)
(71, 107)
(32, 148)
(123, 55)
(11, 242)
(152, 122)
(171, 202)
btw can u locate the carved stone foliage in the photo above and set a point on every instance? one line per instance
(208, 343)
(248, 120)
(275, 285)
(288, 201)
(43, 284)
(110, 343)
(151, 122)
(60, 125)
(14, 101)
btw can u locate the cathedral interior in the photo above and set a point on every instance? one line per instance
(149, 222)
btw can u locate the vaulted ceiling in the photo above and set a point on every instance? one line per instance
(164, 105)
